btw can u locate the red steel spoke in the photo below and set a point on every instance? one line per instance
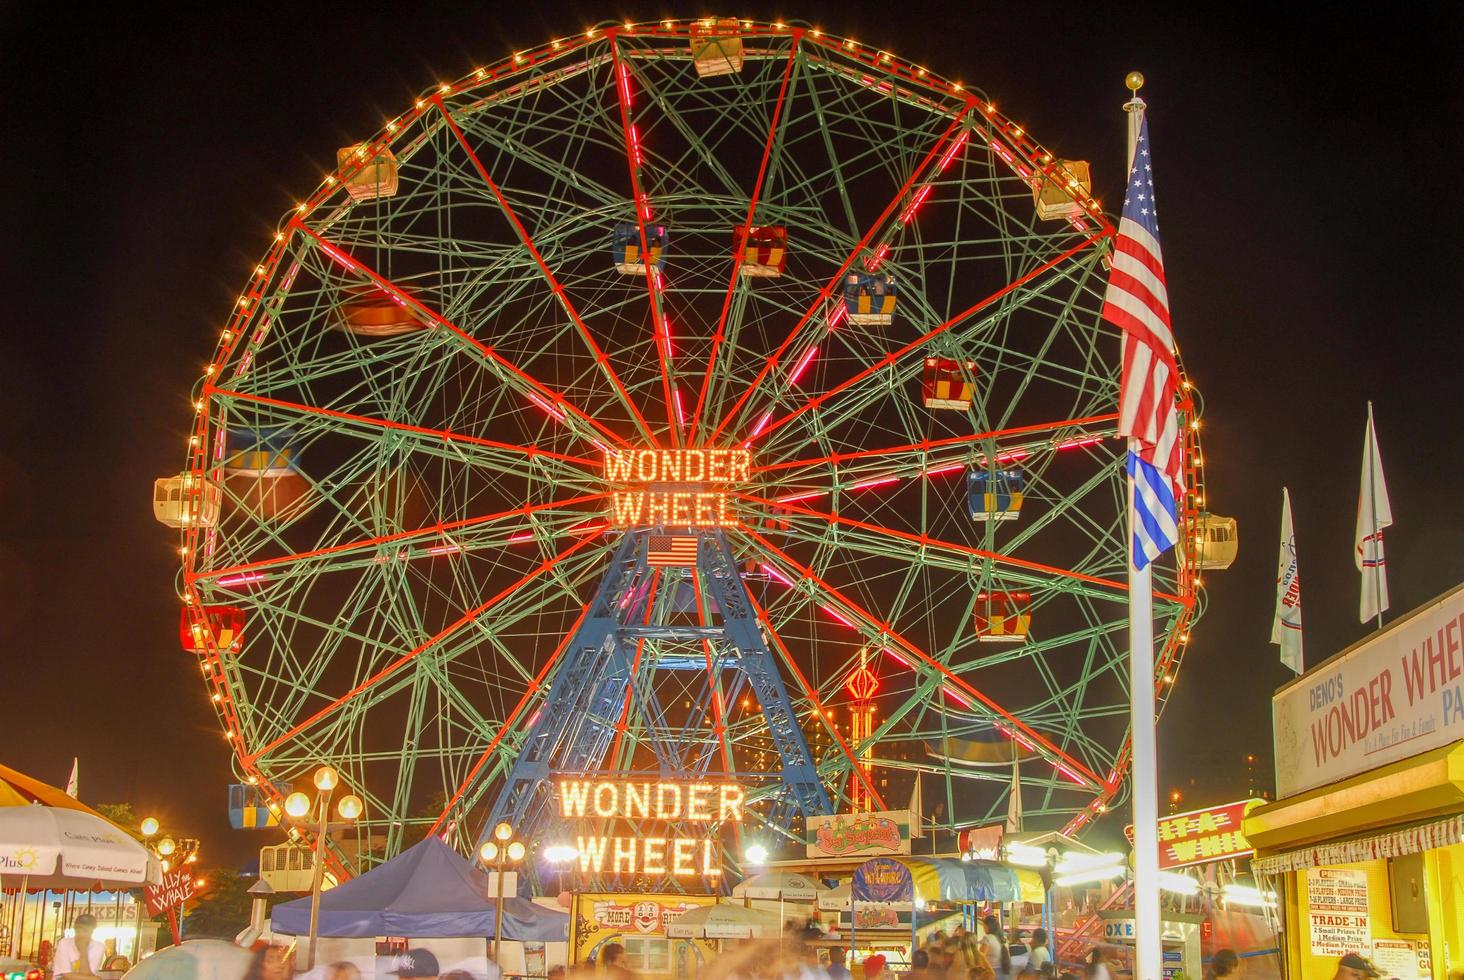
(406, 299)
(925, 541)
(889, 359)
(523, 702)
(886, 629)
(601, 358)
(642, 215)
(838, 279)
(762, 170)
(813, 697)
(532, 452)
(926, 445)
(362, 543)
(469, 617)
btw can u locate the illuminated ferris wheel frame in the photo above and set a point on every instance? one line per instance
(706, 370)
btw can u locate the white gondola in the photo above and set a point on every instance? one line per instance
(1057, 196)
(716, 47)
(376, 176)
(186, 501)
(1216, 541)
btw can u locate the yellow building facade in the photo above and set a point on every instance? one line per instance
(1365, 846)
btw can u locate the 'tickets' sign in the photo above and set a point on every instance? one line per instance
(674, 487)
(177, 888)
(668, 803)
(1392, 696)
(1201, 836)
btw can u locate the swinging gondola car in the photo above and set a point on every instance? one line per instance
(218, 628)
(995, 495)
(1003, 617)
(259, 470)
(1056, 196)
(1216, 541)
(625, 248)
(369, 311)
(869, 298)
(764, 251)
(946, 384)
(179, 501)
(289, 867)
(716, 46)
(376, 177)
(250, 808)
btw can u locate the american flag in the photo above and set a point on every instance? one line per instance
(1138, 303)
(671, 550)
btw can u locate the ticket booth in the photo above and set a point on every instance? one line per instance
(1180, 934)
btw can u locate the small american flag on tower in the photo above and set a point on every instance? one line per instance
(1137, 301)
(671, 550)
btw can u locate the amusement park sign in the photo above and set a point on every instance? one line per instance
(859, 834)
(1395, 694)
(674, 487)
(668, 804)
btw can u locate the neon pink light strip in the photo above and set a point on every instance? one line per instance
(546, 406)
(242, 579)
(802, 365)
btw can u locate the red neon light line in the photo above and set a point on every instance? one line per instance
(508, 722)
(643, 214)
(802, 365)
(889, 359)
(392, 289)
(467, 618)
(813, 698)
(439, 529)
(926, 445)
(720, 334)
(1054, 754)
(926, 541)
(449, 437)
(837, 280)
(528, 242)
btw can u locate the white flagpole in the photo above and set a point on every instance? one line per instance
(1372, 490)
(1148, 947)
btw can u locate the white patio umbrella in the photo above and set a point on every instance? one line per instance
(195, 959)
(722, 921)
(60, 849)
(781, 885)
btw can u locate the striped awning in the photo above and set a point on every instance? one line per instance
(904, 879)
(1392, 844)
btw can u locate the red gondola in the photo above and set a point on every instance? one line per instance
(1003, 617)
(946, 384)
(764, 251)
(211, 628)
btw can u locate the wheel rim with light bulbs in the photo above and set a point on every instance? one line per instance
(837, 261)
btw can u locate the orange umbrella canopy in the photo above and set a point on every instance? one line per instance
(18, 789)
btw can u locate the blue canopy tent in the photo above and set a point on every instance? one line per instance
(428, 891)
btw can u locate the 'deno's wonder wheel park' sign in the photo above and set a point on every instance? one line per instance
(642, 827)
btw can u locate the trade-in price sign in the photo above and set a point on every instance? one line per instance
(1339, 920)
(177, 888)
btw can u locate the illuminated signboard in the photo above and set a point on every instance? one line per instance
(674, 487)
(668, 804)
(1202, 836)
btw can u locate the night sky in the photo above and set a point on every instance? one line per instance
(1308, 173)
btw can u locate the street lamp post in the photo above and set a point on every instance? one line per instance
(298, 807)
(171, 853)
(496, 853)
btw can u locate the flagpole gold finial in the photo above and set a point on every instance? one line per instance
(1135, 81)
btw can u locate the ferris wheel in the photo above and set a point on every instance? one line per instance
(692, 397)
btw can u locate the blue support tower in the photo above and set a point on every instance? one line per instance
(606, 708)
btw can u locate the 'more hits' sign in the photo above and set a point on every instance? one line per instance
(655, 818)
(1395, 694)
